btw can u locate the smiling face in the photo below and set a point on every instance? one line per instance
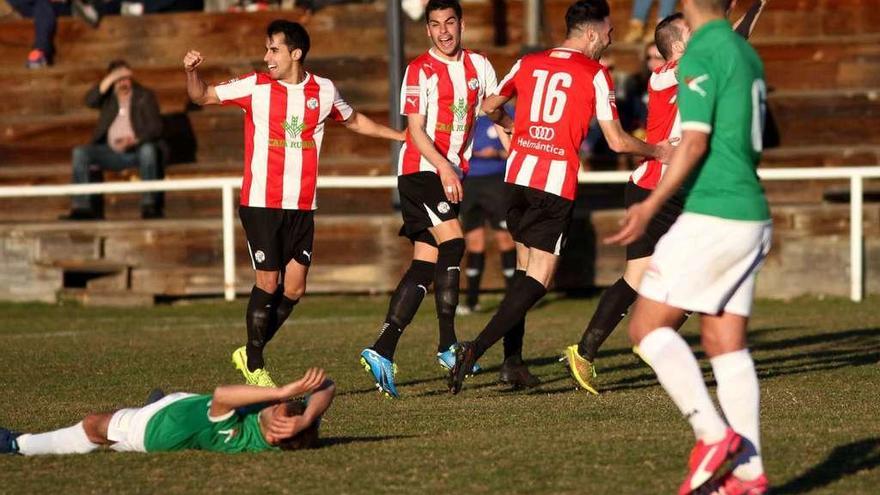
(444, 29)
(281, 62)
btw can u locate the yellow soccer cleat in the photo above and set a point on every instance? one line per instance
(581, 370)
(259, 377)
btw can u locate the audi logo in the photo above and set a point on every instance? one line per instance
(541, 132)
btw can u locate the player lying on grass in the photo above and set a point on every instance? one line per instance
(236, 418)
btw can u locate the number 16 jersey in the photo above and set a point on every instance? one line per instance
(557, 92)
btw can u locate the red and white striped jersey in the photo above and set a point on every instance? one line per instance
(283, 129)
(448, 94)
(557, 93)
(664, 122)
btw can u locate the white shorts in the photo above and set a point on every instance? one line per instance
(708, 264)
(128, 426)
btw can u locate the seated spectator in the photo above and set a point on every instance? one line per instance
(45, 13)
(127, 136)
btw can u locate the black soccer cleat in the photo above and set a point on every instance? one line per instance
(465, 357)
(515, 373)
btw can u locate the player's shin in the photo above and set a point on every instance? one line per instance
(678, 372)
(739, 396)
(513, 339)
(70, 440)
(508, 266)
(613, 306)
(476, 262)
(283, 308)
(447, 275)
(404, 304)
(259, 315)
(517, 302)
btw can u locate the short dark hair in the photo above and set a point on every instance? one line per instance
(306, 439)
(117, 63)
(585, 12)
(442, 5)
(295, 36)
(667, 33)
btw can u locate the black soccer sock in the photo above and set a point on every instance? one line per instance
(513, 339)
(613, 306)
(508, 266)
(447, 275)
(404, 304)
(283, 309)
(476, 262)
(522, 296)
(259, 310)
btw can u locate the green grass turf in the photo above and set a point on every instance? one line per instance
(817, 359)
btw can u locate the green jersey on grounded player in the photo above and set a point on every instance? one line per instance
(235, 418)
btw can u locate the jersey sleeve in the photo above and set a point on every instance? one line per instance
(606, 101)
(341, 110)
(237, 91)
(507, 86)
(697, 93)
(414, 93)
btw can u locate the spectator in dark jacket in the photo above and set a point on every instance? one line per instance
(127, 136)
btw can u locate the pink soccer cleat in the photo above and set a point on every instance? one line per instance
(710, 461)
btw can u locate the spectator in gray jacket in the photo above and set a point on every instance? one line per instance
(127, 136)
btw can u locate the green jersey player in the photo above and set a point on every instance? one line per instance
(235, 418)
(708, 260)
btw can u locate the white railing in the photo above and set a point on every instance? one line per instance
(227, 185)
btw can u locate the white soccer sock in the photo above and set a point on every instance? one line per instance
(740, 399)
(70, 440)
(678, 372)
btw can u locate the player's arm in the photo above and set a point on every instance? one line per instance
(230, 397)
(362, 124)
(622, 142)
(319, 401)
(317, 404)
(493, 107)
(746, 24)
(199, 91)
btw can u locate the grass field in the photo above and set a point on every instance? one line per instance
(817, 359)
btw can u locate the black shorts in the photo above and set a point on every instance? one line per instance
(485, 199)
(276, 236)
(423, 205)
(538, 219)
(658, 225)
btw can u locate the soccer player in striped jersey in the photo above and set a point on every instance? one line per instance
(440, 96)
(285, 109)
(671, 37)
(557, 93)
(235, 418)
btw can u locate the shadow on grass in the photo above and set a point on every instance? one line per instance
(856, 347)
(843, 461)
(335, 441)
